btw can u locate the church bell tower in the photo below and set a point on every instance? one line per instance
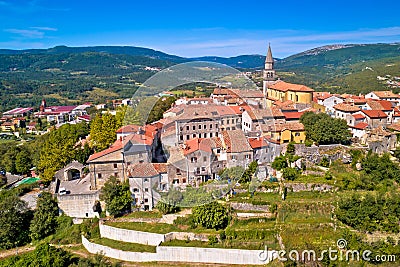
(269, 74)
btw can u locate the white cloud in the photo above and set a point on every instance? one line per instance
(33, 34)
(44, 29)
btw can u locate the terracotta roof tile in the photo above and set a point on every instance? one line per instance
(118, 145)
(375, 114)
(385, 94)
(235, 141)
(361, 125)
(346, 107)
(142, 170)
(284, 86)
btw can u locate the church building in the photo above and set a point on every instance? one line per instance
(277, 90)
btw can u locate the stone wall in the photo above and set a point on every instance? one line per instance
(131, 235)
(185, 254)
(146, 238)
(79, 205)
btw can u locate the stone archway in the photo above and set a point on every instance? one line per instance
(72, 171)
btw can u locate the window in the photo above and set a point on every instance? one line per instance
(216, 125)
(210, 126)
(247, 156)
(135, 190)
(116, 174)
(99, 175)
(181, 137)
(296, 134)
(233, 157)
(146, 190)
(203, 169)
(199, 126)
(218, 150)
(194, 135)
(297, 98)
(193, 159)
(145, 180)
(140, 155)
(205, 159)
(187, 137)
(194, 127)
(178, 171)
(146, 200)
(115, 165)
(205, 126)
(216, 134)
(184, 180)
(205, 135)
(187, 128)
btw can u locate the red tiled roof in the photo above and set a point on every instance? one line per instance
(284, 86)
(195, 144)
(144, 169)
(292, 115)
(385, 94)
(235, 141)
(375, 114)
(257, 142)
(160, 167)
(346, 107)
(118, 145)
(358, 116)
(361, 125)
(380, 105)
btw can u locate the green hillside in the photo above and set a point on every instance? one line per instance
(342, 70)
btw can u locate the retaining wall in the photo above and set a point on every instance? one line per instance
(130, 236)
(184, 254)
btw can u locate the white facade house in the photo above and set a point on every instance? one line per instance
(329, 103)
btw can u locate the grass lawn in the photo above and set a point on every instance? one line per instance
(159, 228)
(144, 214)
(125, 246)
(228, 244)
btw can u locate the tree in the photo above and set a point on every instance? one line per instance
(58, 148)
(290, 148)
(14, 216)
(290, 173)
(117, 196)
(323, 129)
(166, 208)
(23, 162)
(232, 173)
(211, 216)
(279, 163)
(44, 221)
(102, 131)
(249, 172)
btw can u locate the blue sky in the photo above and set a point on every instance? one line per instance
(198, 28)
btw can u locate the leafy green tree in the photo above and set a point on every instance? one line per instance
(279, 163)
(3, 178)
(290, 173)
(166, 208)
(102, 131)
(211, 216)
(323, 129)
(290, 148)
(58, 148)
(117, 196)
(44, 221)
(14, 216)
(233, 173)
(23, 162)
(249, 172)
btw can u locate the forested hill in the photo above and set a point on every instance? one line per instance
(344, 68)
(65, 75)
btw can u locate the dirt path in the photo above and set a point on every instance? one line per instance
(15, 251)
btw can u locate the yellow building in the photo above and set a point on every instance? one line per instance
(283, 91)
(285, 132)
(8, 127)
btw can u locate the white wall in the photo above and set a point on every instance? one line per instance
(184, 254)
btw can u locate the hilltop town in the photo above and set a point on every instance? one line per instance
(266, 151)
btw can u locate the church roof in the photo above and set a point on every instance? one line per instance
(269, 58)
